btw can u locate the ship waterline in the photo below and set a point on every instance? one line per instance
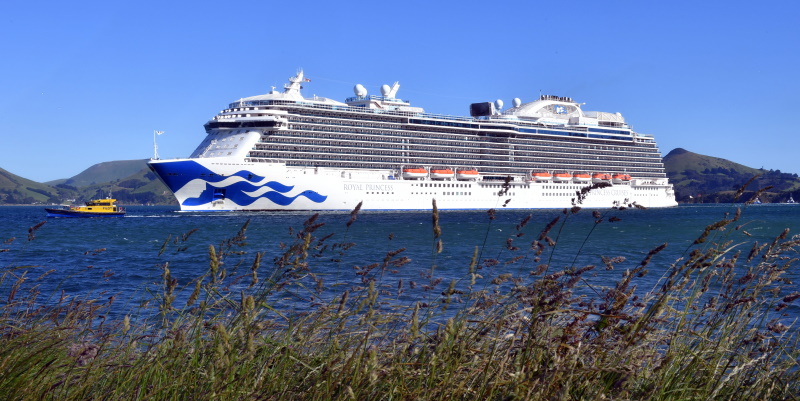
(281, 151)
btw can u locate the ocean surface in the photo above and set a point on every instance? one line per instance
(104, 257)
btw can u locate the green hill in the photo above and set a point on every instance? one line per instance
(700, 178)
(128, 181)
(106, 172)
(141, 187)
(17, 190)
(679, 160)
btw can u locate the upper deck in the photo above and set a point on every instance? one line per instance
(549, 115)
(368, 131)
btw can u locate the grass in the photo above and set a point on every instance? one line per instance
(712, 328)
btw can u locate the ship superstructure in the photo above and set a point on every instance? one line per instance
(282, 151)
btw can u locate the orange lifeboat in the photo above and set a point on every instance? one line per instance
(414, 172)
(620, 178)
(582, 177)
(541, 176)
(563, 177)
(601, 177)
(466, 174)
(441, 173)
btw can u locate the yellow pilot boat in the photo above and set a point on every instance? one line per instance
(94, 208)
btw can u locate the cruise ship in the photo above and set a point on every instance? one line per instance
(283, 151)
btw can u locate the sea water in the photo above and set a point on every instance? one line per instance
(125, 257)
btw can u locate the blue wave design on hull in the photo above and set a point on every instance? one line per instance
(278, 186)
(285, 200)
(176, 174)
(179, 173)
(240, 198)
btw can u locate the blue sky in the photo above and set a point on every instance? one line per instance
(88, 82)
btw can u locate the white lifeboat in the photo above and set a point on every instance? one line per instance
(541, 176)
(414, 172)
(562, 177)
(441, 173)
(620, 178)
(582, 177)
(601, 177)
(466, 174)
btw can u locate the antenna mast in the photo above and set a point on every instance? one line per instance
(155, 145)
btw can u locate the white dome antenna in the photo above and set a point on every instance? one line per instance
(360, 90)
(386, 91)
(498, 104)
(516, 102)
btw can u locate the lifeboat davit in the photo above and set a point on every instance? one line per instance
(541, 176)
(441, 173)
(621, 178)
(467, 174)
(601, 177)
(582, 177)
(414, 172)
(563, 177)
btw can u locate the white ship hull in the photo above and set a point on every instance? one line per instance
(231, 185)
